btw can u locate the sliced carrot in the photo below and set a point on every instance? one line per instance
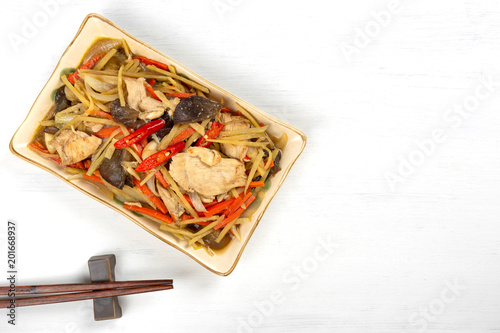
(93, 178)
(213, 203)
(216, 209)
(181, 95)
(138, 148)
(237, 203)
(151, 91)
(100, 114)
(72, 77)
(148, 61)
(150, 212)
(38, 147)
(259, 183)
(182, 135)
(186, 217)
(157, 201)
(236, 214)
(162, 179)
(78, 165)
(203, 223)
(86, 163)
(106, 132)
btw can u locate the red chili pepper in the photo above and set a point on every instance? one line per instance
(88, 65)
(160, 157)
(148, 61)
(142, 132)
(211, 133)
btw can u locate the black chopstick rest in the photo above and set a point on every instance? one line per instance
(102, 269)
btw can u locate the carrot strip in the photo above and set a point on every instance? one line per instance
(237, 203)
(86, 163)
(211, 211)
(88, 65)
(101, 114)
(39, 148)
(106, 132)
(203, 223)
(181, 95)
(213, 203)
(186, 217)
(162, 179)
(148, 61)
(93, 178)
(145, 189)
(183, 135)
(150, 212)
(259, 183)
(151, 91)
(236, 214)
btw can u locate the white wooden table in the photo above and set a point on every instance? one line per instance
(388, 222)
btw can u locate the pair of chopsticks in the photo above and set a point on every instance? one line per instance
(80, 291)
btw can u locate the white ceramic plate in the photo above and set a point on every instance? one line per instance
(224, 262)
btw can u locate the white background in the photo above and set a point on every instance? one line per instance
(414, 223)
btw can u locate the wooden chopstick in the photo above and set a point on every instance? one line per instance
(80, 296)
(75, 287)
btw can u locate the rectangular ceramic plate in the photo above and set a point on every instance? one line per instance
(94, 26)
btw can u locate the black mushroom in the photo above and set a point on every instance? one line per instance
(125, 115)
(61, 101)
(51, 129)
(169, 123)
(194, 109)
(276, 167)
(210, 240)
(112, 170)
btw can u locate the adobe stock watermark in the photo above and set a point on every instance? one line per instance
(31, 26)
(367, 33)
(292, 279)
(222, 7)
(454, 116)
(420, 320)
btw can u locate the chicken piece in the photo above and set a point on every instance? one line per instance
(138, 99)
(92, 126)
(233, 123)
(136, 91)
(204, 171)
(74, 146)
(173, 206)
(151, 109)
